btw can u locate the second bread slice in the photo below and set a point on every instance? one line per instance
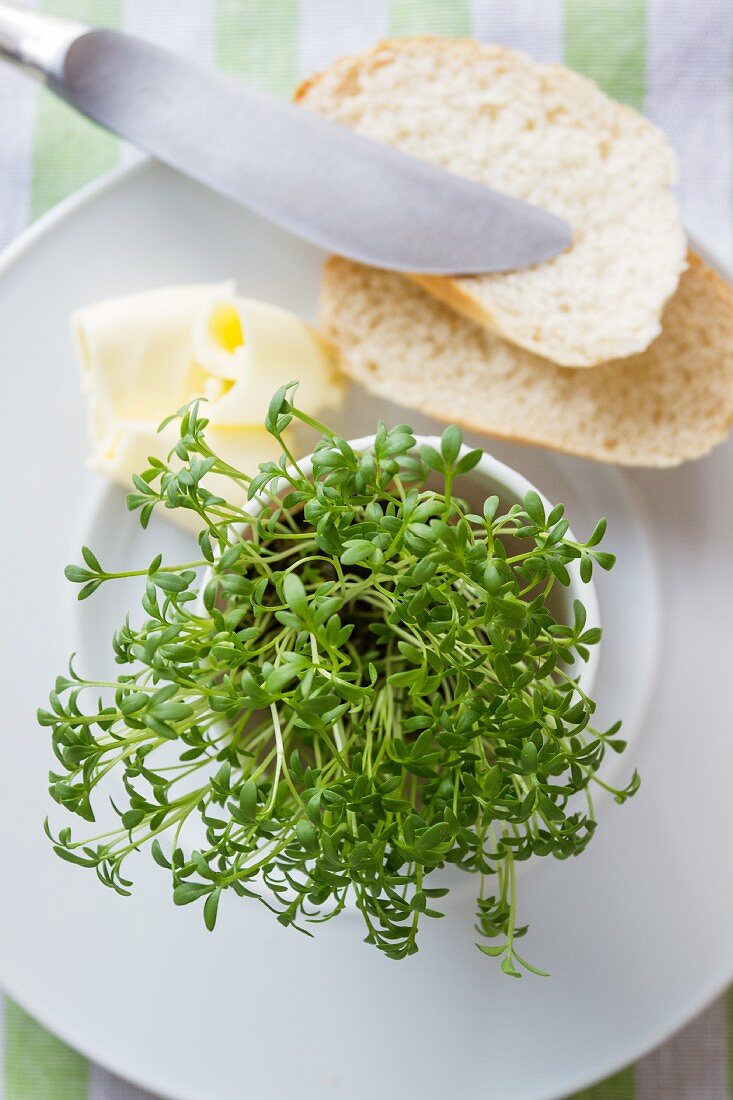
(671, 403)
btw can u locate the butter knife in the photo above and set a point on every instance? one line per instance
(317, 178)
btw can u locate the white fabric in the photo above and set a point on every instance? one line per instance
(688, 94)
(535, 28)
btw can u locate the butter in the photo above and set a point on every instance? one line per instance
(144, 355)
(253, 348)
(136, 355)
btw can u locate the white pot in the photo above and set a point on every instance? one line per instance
(488, 477)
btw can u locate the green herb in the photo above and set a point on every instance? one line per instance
(372, 687)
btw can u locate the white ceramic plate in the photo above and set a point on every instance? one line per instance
(638, 934)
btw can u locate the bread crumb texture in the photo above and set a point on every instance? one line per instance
(671, 403)
(547, 135)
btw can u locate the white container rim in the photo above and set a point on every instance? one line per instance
(508, 483)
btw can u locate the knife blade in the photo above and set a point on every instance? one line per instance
(317, 178)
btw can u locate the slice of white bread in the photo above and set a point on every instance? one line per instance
(547, 135)
(670, 403)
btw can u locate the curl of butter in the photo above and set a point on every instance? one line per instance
(144, 355)
(253, 348)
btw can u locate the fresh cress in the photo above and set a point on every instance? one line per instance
(371, 685)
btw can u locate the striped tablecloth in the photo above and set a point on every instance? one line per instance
(672, 59)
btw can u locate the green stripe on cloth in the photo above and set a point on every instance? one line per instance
(729, 1037)
(68, 151)
(606, 40)
(449, 17)
(38, 1066)
(258, 39)
(622, 1086)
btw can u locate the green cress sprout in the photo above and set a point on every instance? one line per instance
(372, 687)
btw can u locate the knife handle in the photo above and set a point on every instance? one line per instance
(36, 43)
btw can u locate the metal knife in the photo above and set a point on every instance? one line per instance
(317, 178)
